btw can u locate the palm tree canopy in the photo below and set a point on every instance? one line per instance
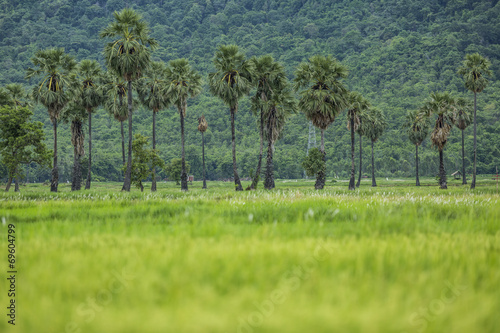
(376, 124)
(152, 87)
(323, 95)
(463, 117)
(276, 112)
(233, 76)
(115, 92)
(14, 95)
(442, 105)
(202, 124)
(417, 126)
(475, 71)
(90, 76)
(356, 104)
(58, 79)
(128, 55)
(184, 82)
(270, 77)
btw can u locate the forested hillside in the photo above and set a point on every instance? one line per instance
(397, 52)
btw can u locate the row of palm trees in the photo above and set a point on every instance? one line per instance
(449, 112)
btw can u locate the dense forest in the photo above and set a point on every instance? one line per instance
(397, 53)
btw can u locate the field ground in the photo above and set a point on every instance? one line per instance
(395, 258)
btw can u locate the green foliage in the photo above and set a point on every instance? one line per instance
(174, 169)
(376, 124)
(475, 70)
(417, 126)
(143, 161)
(314, 163)
(21, 140)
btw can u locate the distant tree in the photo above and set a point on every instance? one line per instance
(270, 77)
(475, 70)
(184, 82)
(356, 105)
(152, 91)
(128, 56)
(231, 81)
(276, 112)
(417, 127)
(322, 97)
(90, 97)
(376, 126)
(21, 141)
(115, 90)
(53, 90)
(462, 120)
(314, 163)
(361, 130)
(174, 169)
(443, 106)
(76, 114)
(202, 127)
(144, 161)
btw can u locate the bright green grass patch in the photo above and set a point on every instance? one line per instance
(389, 259)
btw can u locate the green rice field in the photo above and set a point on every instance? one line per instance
(395, 258)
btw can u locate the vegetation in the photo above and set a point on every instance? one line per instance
(144, 161)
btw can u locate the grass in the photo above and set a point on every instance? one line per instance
(395, 258)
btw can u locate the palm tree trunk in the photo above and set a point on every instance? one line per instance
(352, 179)
(9, 183)
(153, 175)
(128, 173)
(89, 171)
(123, 143)
(320, 179)
(255, 180)
(360, 161)
(237, 183)
(416, 164)
(269, 182)
(473, 184)
(54, 182)
(76, 181)
(184, 184)
(16, 181)
(374, 182)
(442, 172)
(203, 158)
(464, 177)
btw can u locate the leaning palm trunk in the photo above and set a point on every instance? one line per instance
(473, 184)
(360, 160)
(55, 172)
(89, 171)
(442, 171)
(184, 184)
(128, 172)
(464, 178)
(416, 165)
(153, 174)
(255, 180)
(321, 177)
(16, 183)
(203, 158)
(351, 180)
(237, 183)
(9, 183)
(374, 182)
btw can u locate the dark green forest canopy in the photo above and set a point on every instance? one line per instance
(397, 52)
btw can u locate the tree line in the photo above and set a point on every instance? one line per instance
(72, 92)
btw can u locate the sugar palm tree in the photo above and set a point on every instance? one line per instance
(76, 114)
(128, 56)
(202, 127)
(356, 105)
(269, 77)
(375, 127)
(231, 81)
(276, 111)
(53, 90)
(152, 91)
(417, 127)
(475, 70)
(115, 91)
(443, 106)
(361, 130)
(185, 82)
(462, 120)
(322, 97)
(91, 96)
